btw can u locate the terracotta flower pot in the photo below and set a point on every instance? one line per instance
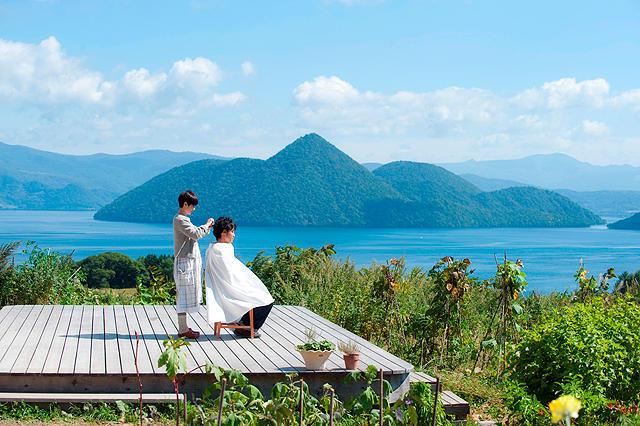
(314, 360)
(351, 361)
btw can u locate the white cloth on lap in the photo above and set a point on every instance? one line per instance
(232, 289)
(187, 273)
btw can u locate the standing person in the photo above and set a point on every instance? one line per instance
(187, 264)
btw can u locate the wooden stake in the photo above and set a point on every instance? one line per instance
(222, 389)
(301, 401)
(381, 397)
(331, 407)
(184, 406)
(435, 402)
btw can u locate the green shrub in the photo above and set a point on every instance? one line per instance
(45, 277)
(112, 270)
(595, 346)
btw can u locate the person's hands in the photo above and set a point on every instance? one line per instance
(210, 222)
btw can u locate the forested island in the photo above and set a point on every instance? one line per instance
(312, 183)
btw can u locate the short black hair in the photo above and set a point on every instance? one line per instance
(223, 224)
(188, 197)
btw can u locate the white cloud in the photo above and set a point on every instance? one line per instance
(142, 83)
(564, 93)
(457, 123)
(594, 128)
(229, 99)
(196, 74)
(248, 68)
(325, 90)
(567, 92)
(42, 73)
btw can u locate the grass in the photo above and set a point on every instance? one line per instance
(10, 413)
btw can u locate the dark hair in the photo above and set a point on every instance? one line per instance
(188, 197)
(223, 224)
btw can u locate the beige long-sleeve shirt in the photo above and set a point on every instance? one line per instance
(186, 236)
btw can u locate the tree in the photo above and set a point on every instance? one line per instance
(112, 270)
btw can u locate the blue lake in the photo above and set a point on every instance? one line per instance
(550, 256)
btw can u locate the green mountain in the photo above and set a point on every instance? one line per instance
(439, 198)
(632, 222)
(309, 183)
(35, 179)
(312, 183)
(34, 195)
(607, 204)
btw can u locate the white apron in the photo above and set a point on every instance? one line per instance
(232, 289)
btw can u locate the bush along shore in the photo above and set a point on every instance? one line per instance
(517, 358)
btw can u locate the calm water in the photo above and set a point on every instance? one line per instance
(550, 255)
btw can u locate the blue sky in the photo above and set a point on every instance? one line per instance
(383, 80)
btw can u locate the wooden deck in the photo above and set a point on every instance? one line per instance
(91, 349)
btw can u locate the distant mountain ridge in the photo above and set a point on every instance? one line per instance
(36, 179)
(553, 171)
(312, 183)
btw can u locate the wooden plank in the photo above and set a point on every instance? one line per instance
(213, 354)
(17, 317)
(292, 335)
(44, 344)
(53, 357)
(383, 357)
(283, 346)
(391, 361)
(216, 351)
(148, 336)
(6, 315)
(194, 358)
(98, 346)
(145, 363)
(271, 360)
(249, 345)
(419, 376)
(20, 334)
(24, 355)
(30, 397)
(112, 351)
(284, 324)
(127, 345)
(242, 352)
(282, 355)
(83, 355)
(68, 359)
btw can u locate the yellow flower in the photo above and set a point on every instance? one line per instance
(564, 408)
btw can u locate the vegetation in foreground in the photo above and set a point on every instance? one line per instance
(508, 355)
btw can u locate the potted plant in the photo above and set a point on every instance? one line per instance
(350, 353)
(315, 352)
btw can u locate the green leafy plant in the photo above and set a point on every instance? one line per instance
(588, 285)
(348, 348)
(594, 346)
(510, 282)
(313, 344)
(451, 280)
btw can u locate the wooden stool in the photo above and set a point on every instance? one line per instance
(220, 325)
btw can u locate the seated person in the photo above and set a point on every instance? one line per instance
(232, 289)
